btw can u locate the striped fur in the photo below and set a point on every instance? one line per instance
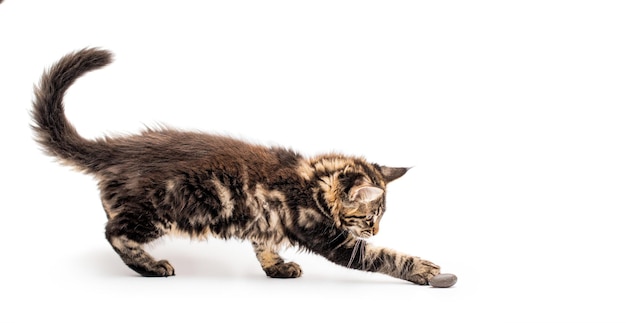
(166, 181)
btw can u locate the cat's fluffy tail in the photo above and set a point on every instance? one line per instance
(52, 129)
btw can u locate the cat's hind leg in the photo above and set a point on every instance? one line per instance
(273, 265)
(128, 233)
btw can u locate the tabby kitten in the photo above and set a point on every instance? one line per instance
(166, 181)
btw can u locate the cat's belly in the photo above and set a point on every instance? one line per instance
(259, 229)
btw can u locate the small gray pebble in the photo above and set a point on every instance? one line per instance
(443, 281)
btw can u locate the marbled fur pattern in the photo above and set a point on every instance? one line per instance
(165, 181)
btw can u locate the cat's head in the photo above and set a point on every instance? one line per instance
(355, 192)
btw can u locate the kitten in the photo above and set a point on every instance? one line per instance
(166, 181)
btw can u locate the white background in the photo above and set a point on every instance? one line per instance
(512, 114)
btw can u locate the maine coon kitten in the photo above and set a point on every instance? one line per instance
(165, 181)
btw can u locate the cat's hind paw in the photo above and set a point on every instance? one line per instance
(284, 270)
(161, 268)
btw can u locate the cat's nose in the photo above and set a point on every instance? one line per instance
(375, 231)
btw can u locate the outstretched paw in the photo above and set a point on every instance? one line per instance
(423, 271)
(284, 270)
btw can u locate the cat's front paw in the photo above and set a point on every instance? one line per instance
(284, 270)
(423, 271)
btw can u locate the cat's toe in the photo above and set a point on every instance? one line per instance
(284, 270)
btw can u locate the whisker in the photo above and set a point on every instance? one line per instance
(353, 254)
(363, 255)
(337, 237)
(357, 246)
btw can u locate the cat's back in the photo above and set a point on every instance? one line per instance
(172, 148)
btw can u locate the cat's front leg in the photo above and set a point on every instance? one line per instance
(273, 265)
(358, 254)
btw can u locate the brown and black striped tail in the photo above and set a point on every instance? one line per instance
(53, 131)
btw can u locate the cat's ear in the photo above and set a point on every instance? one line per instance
(365, 193)
(392, 173)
